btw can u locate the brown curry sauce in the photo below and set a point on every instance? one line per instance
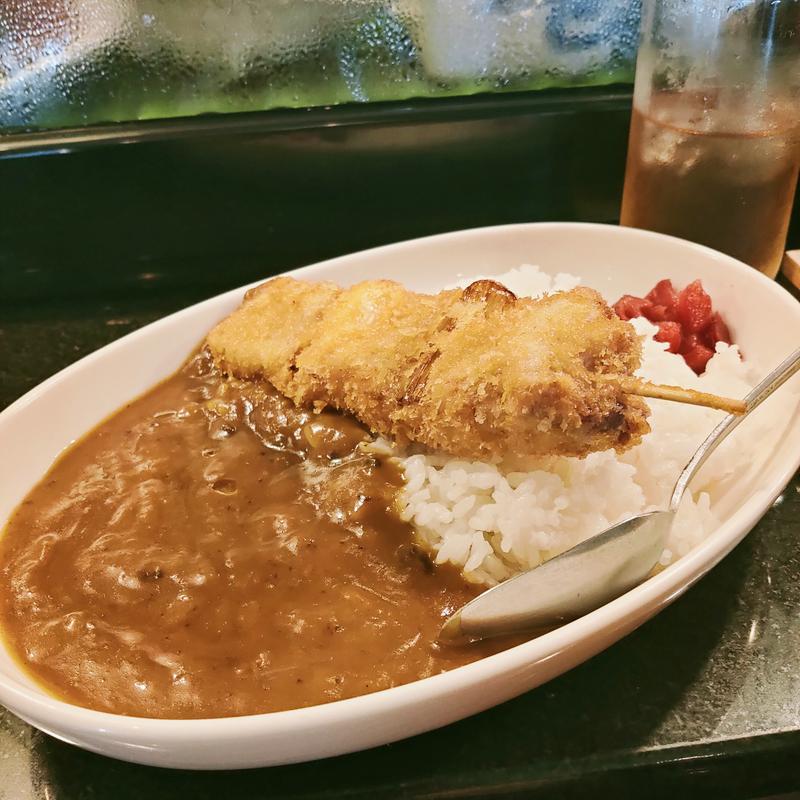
(212, 550)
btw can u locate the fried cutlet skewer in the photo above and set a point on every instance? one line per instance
(677, 394)
(476, 373)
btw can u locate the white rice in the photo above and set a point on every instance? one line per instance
(495, 520)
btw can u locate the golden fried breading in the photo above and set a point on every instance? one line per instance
(475, 373)
(276, 320)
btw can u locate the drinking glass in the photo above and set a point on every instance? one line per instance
(713, 147)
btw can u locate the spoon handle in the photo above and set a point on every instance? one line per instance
(773, 381)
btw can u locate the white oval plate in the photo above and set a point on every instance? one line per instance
(34, 430)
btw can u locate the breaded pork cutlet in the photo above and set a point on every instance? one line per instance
(476, 373)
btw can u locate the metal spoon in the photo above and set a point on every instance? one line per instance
(601, 568)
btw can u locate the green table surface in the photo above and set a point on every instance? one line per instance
(703, 700)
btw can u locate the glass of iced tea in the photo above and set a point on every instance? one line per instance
(714, 149)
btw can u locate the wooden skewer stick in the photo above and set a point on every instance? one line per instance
(678, 394)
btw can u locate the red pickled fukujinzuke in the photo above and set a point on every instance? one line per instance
(686, 320)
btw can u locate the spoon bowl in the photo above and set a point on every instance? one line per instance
(566, 587)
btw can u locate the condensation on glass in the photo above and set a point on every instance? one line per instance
(75, 62)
